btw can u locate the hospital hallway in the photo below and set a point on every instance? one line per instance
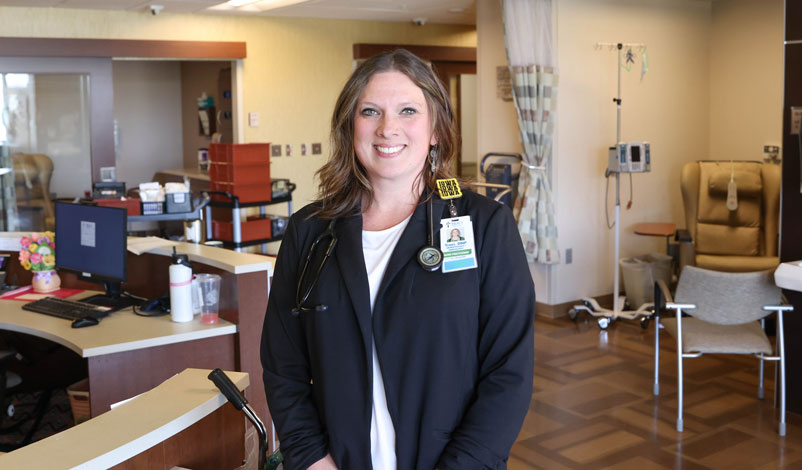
(593, 408)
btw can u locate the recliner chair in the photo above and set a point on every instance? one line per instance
(718, 239)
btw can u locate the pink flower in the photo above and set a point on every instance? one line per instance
(36, 236)
(23, 256)
(36, 258)
(25, 241)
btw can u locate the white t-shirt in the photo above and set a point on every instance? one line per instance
(377, 247)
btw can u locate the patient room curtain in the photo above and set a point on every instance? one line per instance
(528, 35)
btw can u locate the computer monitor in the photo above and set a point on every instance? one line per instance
(91, 241)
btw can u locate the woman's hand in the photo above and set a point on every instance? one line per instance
(326, 463)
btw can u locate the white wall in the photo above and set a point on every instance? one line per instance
(468, 122)
(147, 108)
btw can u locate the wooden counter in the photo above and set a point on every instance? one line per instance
(154, 430)
(243, 302)
(119, 332)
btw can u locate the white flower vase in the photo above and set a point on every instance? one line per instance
(46, 281)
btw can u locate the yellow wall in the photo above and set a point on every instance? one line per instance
(293, 72)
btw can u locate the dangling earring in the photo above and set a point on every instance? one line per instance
(433, 158)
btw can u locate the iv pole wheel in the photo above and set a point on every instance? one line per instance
(603, 322)
(644, 321)
(573, 315)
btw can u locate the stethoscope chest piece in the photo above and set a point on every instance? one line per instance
(430, 258)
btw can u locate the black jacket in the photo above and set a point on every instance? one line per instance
(456, 350)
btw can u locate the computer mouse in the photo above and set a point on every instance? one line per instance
(85, 321)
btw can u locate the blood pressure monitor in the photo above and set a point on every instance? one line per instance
(630, 157)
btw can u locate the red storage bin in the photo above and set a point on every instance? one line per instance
(131, 204)
(254, 228)
(240, 173)
(219, 153)
(245, 192)
(217, 172)
(240, 153)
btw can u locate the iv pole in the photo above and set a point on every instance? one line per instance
(590, 305)
(617, 100)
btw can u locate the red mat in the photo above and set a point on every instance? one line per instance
(27, 294)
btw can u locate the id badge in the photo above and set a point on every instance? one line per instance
(456, 243)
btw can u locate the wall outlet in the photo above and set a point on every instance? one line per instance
(569, 255)
(771, 149)
(316, 149)
(275, 150)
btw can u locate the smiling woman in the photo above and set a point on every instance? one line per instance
(392, 131)
(370, 361)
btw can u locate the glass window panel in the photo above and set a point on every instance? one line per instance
(45, 139)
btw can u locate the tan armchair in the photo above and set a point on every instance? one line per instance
(733, 241)
(32, 173)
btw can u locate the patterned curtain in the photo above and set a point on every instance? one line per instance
(534, 93)
(528, 35)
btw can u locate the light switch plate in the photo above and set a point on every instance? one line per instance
(275, 150)
(316, 149)
(253, 119)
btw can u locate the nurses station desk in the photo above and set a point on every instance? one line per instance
(184, 422)
(127, 354)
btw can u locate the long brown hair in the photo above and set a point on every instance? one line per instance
(343, 179)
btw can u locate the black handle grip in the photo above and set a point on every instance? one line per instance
(224, 384)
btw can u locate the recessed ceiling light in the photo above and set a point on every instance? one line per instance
(456, 10)
(239, 3)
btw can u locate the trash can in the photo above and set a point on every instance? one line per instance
(640, 273)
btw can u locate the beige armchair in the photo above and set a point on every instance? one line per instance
(32, 173)
(734, 241)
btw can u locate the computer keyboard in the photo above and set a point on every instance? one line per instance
(67, 309)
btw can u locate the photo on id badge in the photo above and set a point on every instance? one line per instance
(456, 243)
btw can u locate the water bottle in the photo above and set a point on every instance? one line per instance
(180, 288)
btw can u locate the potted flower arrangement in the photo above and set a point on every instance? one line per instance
(38, 254)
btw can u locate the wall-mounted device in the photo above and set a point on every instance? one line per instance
(630, 157)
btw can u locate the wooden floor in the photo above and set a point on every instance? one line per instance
(593, 408)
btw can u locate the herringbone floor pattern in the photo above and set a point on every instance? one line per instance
(592, 406)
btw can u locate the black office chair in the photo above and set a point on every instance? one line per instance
(11, 421)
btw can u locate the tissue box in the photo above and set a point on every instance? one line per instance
(178, 202)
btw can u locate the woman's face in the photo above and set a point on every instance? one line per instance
(392, 129)
(455, 234)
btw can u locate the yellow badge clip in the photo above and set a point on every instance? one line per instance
(449, 189)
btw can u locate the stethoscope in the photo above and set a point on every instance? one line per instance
(429, 257)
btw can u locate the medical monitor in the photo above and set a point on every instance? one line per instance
(630, 157)
(91, 241)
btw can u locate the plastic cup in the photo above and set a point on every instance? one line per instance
(209, 297)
